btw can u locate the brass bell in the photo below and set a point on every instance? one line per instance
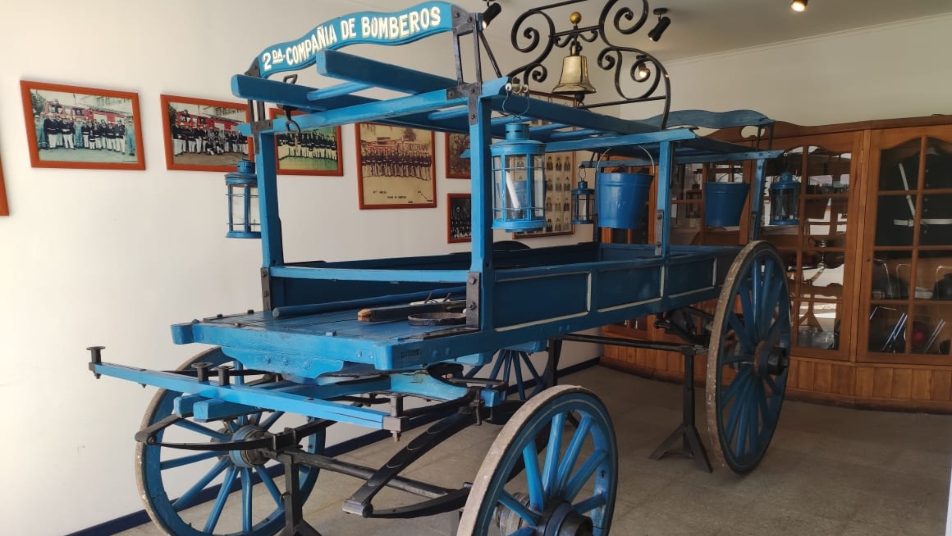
(574, 79)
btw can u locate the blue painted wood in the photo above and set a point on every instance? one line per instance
(708, 119)
(373, 73)
(336, 91)
(281, 94)
(367, 27)
(437, 276)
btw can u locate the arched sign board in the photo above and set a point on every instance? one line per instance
(368, 27)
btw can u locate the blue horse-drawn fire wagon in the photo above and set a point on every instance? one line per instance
(350, 342)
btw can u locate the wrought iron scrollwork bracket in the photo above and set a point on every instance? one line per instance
(643, 70)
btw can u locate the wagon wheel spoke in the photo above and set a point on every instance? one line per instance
(746, 377)
(225, 476)
(511, 364)
(573, 486)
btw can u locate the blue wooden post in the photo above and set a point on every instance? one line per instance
(480, 136)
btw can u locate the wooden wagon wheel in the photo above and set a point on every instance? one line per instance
(159, 467)
(748, 357)
(514, 364)
(563, 491)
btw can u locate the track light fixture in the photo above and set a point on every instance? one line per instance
(663, 23)
(799, 5)
(491, 12)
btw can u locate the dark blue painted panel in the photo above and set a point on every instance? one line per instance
(544, 297)
(632, 285)
(690, 277)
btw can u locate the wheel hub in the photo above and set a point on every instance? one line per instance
(507, 520)
(565, 521)
(251, 457)
(770, 359)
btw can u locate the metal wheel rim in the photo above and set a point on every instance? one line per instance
(742, 456)
(548, 413)
(151, 485)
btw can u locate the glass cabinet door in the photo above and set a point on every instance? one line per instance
(910, 272)
(813, 239)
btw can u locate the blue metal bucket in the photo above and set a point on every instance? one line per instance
(621, 199)
(724, 203)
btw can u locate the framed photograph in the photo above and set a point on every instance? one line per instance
(4, 207)
(458, 221)
(395, 167)
(202, 135)
(82, 127)
(560, 178)
(313, 152)
(457, 167)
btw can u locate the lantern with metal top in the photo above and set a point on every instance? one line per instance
(243, 217)
(785, 200)
(518, 181)
(583, 204)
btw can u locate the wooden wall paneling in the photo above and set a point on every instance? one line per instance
(805, 375)
(902, 383)
(882, 382)
(941, 385)
(863, 386)
(793, 373)
(823, 377)
(922, 384)
(843, 379)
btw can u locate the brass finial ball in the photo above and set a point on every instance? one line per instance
(575, 17)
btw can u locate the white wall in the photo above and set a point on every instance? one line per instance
(116, 257)
(882, 72)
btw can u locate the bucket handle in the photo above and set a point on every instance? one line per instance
(600, 155)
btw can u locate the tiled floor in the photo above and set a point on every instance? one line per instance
(829, 471)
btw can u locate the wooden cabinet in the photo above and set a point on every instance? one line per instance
(907, 281)
(869, 262)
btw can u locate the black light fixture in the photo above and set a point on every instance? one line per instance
(640, 71)
(663, 23)
(799, 5)
(491, 12)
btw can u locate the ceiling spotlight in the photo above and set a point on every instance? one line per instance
(491, 12)
(799, 5)
(663, 23)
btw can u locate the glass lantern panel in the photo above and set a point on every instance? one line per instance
(499, 187)
(538, 185)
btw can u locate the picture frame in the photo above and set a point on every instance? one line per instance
(81, 127)
(459, 218)
(202, 134)
(4, 206)
(457, 167)
(559, 180)
(315, 152)
(395, 167)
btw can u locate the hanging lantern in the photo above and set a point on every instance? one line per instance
(583, 204)
(785, 200)
(243, 218)
(518, 181)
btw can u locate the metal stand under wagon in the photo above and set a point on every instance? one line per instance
(310, 359)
